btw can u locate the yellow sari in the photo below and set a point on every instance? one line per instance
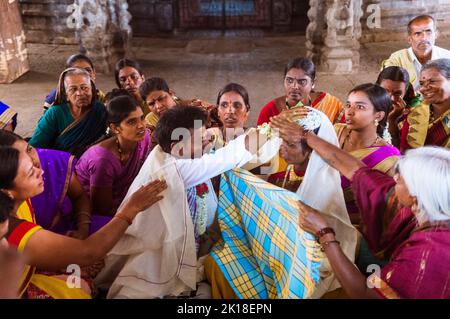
(51, 285)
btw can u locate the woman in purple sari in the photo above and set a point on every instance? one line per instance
(362, 135)
(414, 238)
(63, 207)
(107, 169)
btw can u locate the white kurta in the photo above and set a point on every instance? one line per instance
(156, 257)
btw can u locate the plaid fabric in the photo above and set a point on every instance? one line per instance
(263, 253)
(192, 202)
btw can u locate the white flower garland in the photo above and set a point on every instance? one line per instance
(202, 214)
(312, 121)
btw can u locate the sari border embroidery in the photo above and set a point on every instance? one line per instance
(382, 288)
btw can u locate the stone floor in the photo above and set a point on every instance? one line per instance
(195, 67)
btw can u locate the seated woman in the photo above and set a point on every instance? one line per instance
(107, 169)
(362, 135)
(233, 109)
(159, 98)
(73, 125)
(299, 83)
(415, 238)
(395, 80)
(261, 253)
(129, 76)
(63, 207)
(158, 255)
(51, 252)
(296, 156)
(8, 118)
(80, 61)
(429, 122)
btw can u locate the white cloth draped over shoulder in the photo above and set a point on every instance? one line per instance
(321, 189)
(156, 257)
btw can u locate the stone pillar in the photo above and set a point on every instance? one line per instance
(335, 41)
(103, 30)
(315, 30)
(13, 52)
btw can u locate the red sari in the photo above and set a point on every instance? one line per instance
(37, 284)
(419, 256)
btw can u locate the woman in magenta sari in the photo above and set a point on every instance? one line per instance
(63, 207)
(362, 135)
(414, 238)
(108, 168)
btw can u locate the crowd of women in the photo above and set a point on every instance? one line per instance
(69, 193)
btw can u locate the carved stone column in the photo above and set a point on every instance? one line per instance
(315, 30)
(13, 53)
(103, 30)
(340, 53)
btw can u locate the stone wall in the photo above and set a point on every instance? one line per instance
(45, 21)
(395, 15)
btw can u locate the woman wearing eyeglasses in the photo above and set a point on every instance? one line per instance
(76, 61)
(299, 83)
(76, 120)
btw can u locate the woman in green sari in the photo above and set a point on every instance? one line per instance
(73, 125)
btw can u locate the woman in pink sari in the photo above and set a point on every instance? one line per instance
(415, 238)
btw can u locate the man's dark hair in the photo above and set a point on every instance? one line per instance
(177, 117)
(422, 17)
(152, 85)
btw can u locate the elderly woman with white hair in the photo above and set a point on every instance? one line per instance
(414, 236)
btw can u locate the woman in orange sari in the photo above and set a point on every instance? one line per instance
(429, 122)
(299, 83)
(20, 180)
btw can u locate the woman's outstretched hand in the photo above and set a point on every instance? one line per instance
(145, 196)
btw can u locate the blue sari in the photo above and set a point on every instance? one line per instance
(58, 130)
(85, 131)
(263, 253)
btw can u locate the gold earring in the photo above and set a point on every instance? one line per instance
(376, 122)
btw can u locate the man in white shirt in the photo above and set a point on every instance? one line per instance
(422, 35)
(157, 256)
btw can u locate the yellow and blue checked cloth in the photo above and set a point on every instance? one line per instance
(263, 253)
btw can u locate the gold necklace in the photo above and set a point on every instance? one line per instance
(347, 139)
(119, 149)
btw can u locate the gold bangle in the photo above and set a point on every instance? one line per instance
(124, 218)
(85, 214)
